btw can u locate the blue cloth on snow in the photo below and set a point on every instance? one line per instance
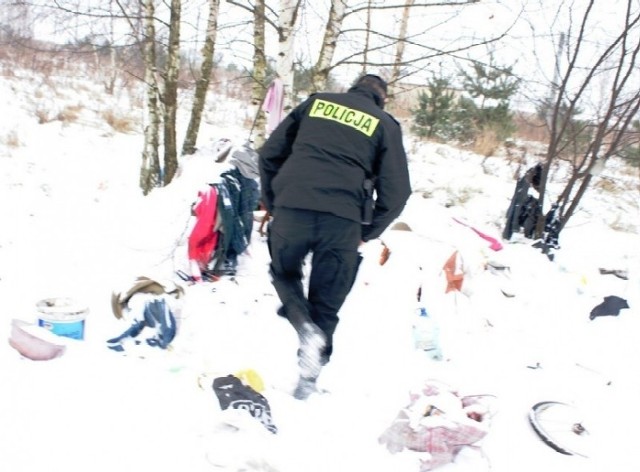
(156, 316)
(237, 199)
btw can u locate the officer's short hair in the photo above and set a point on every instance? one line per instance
(374, 82)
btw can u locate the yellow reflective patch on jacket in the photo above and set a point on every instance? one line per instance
(357, 119)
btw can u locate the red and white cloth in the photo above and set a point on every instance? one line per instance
(439, 422)
(204, 236)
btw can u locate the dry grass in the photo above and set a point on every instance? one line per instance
(451, 197)
(69, 114)
(401, 110)
(530, 128)
(11, 139)
(622, 225)
(487, 143)
(463, 195)
(120, 124)
(43, 115)
(608, 185)
(631, 169)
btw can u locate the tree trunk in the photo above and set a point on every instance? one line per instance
(402, 37)
(619, 106)
(171, 94)
(110, 84)
(331, 33)
(202, 84)
(286, 21)
(259, 73)
(150, 168)
(367, 39)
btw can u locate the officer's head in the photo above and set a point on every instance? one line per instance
(376, 84)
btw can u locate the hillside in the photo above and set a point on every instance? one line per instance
(75, 224)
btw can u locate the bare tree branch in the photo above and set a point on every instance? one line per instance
(387, 6)
(250, 9)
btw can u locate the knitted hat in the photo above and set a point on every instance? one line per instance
(375, 84)
(373, 81)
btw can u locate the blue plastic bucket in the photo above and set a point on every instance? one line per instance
(62, 316)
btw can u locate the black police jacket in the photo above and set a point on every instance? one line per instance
(320, 155)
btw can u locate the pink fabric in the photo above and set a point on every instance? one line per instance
(495, 244)
(204, 237)
(439, 433)
(274, 104)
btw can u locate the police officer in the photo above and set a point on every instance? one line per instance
(333, 175)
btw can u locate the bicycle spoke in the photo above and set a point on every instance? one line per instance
(557, 425)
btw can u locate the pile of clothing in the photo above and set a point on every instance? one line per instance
(439, 423)
(224, 217)
(150, 308)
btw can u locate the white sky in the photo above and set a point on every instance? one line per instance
(530, 46)
(438, 27)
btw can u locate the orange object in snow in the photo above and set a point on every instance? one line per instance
(384, 255)
(453, 270)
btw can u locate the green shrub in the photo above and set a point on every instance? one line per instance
(434, 116)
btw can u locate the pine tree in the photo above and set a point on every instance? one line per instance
(433, 118)
(491, 88)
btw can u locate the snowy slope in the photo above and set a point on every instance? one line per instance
(75, 224)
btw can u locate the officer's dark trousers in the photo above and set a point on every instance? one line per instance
(333, 242)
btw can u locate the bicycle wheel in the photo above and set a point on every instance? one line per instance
(560, 426)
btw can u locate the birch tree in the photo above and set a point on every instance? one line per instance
(367, 38)
(202, 83)
(259, 71)
(402, 37)
(150, 167)
(284, 26)
(333, 27)
(140, 15)
(288, 14)
(377, 41)
(170, 93)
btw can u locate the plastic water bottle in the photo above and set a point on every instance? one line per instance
(426, 334)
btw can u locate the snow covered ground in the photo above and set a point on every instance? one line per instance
(75, 225)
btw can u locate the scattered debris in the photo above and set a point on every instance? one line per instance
(611, 306)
